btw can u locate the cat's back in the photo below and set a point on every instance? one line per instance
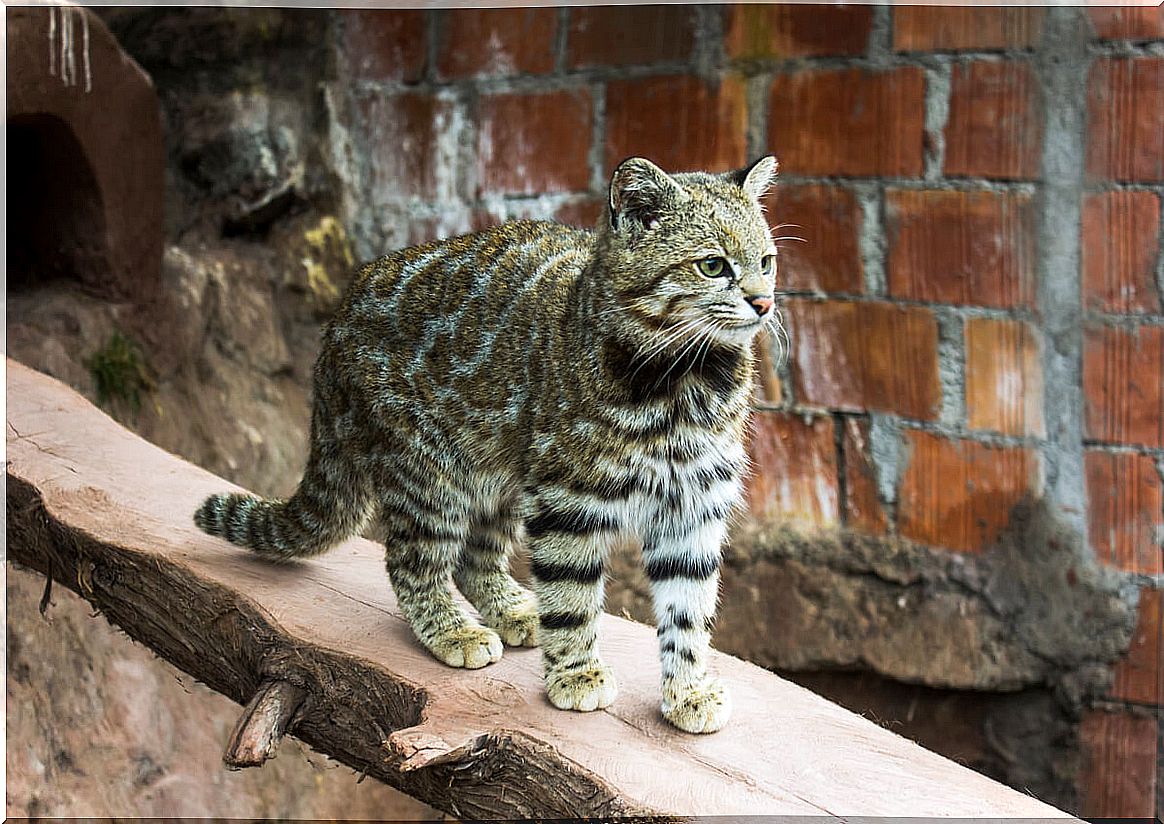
(432, 318)
(478, 276)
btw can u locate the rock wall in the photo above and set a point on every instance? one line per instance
(955, 518)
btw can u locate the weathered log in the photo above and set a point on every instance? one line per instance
(320, 648)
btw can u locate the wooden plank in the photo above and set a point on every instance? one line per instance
(109, 515)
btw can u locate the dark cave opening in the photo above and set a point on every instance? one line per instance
(56, 223)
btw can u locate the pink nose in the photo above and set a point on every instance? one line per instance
(762, 305)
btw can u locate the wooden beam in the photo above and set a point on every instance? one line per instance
(320, 649)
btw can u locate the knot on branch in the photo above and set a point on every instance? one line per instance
(268, 716)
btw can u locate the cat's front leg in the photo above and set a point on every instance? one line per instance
(683, 570)
(568, 550)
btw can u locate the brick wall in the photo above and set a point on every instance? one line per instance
(976, 315)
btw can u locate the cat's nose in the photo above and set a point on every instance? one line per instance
(761, 303)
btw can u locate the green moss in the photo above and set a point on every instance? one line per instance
(119, 372)
(327, 244)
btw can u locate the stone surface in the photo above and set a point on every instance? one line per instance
(1026, 614)
(84, 130)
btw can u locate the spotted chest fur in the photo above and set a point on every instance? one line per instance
(535, 384)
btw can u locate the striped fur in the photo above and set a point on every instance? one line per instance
(541, 384)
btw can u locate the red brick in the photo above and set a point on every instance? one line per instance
(1125, 122)
(782, 31)
(973, 248)
(1123, 371)
(1004, 377)
(405, 132)
(629, 35)
(485, 217)
(945, 28)
(533, 143)
(1120, 231)
(582, 212)
(768, 388)
(856, 356)
(1139, 676)
(1128, 23)
(475, 42)
(829, 220)
(1125, 502)
(448, 224)
(678, 122)
(994, 128)
(384, 44)
(1117, 776)
(794, 470)
(959, 494)
(848, 121)
(863, 509)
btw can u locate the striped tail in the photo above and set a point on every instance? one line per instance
(317, 517)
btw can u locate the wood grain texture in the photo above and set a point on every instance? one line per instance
(108, 515)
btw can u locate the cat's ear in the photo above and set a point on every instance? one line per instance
(757, 178)
(640, 191)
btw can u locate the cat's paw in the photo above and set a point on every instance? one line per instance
(589, 689)
(519, 626)
(471, 647)
(701, 707)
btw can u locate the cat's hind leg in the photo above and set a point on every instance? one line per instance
(482, 576)
(423, 545)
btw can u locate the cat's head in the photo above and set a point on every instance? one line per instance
(690, 255)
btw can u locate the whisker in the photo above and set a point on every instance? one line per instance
(679, 357)
(655, 347)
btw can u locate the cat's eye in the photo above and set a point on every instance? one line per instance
(713, 267)
(767, 263)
